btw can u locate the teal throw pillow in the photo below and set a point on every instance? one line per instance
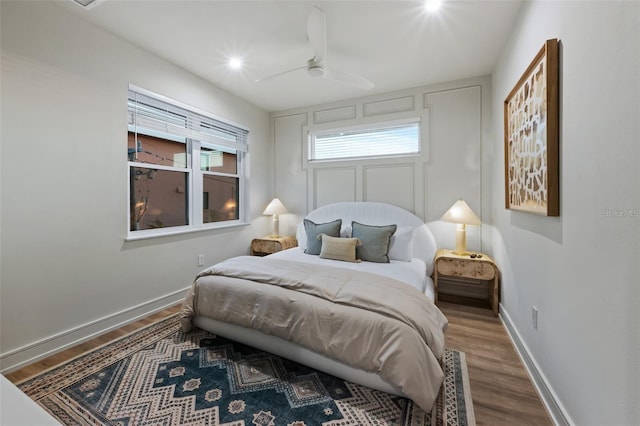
(314, 245)
(374, 240)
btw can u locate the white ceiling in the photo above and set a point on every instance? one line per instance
(394, 44)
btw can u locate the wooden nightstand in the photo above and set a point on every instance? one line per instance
(267, 245)
(484, 268)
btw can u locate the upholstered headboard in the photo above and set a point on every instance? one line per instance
(371, 213)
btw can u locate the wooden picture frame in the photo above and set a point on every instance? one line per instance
(531, 137)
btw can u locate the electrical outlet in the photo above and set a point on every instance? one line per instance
(534, 317)
(200, 259)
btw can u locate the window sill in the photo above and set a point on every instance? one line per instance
(149, 234)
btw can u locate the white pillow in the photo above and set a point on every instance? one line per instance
(301, 236)
(401, 245)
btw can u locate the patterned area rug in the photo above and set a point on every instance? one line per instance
(162, 376)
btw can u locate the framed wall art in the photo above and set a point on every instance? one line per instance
(531, 137)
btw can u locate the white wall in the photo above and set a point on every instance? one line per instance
(66, 270)
(455, 118)
(581, 269)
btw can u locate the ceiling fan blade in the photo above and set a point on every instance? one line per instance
(274, 76)
(347, 78)
(317, 33)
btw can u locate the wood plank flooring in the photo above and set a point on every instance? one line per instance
(500, 386)
(501, 389)
(68, 354)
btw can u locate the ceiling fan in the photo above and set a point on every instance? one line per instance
(316, 66)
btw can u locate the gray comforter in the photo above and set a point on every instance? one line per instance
(363, 320)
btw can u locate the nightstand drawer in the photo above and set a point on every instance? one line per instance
(463, 268)
(269, 245)
(266, 246)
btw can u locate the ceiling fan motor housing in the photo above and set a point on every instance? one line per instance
(315, 70)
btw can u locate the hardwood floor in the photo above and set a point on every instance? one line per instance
(68, 354)
(500, 386)
(501, 389)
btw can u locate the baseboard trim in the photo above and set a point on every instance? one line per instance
(549, 398)
(35, 351)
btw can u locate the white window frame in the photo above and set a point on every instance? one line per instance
(372, 125)
(195, 175)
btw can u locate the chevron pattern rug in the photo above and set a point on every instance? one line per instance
(162, 376)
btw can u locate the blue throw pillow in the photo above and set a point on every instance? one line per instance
(374, 241)
(314, 245)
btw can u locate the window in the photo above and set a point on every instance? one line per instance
(374, 141)
(185, 167)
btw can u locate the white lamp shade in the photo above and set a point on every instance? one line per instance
(275, 207)
(460, 212)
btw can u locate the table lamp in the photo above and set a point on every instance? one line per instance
(275, 208)
(461, 214)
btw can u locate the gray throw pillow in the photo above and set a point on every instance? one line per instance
(374, 240)
(314, 245)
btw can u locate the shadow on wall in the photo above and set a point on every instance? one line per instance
(546, 226)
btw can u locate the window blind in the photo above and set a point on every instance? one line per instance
(403, 139)
(148, 115)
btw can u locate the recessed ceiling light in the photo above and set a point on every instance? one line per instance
(432, 5)
(235, 63)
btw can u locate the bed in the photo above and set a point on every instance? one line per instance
(370, 322)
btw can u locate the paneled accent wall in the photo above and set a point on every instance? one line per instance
(334, 184)
(390, 183)
(448, 167)
(335, 114)
(388, 106)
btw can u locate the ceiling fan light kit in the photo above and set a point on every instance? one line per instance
(316, 66)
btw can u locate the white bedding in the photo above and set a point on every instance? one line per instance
(416, 273)
(412, 273)
(364, 320)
